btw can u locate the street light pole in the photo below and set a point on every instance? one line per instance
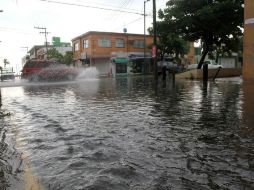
(155, 41)
(145, 33)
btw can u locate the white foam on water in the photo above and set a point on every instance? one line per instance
(13, 83)
(88, 73)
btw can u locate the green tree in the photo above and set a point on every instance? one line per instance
(68, 58)
(215, 22)
(169, 42)
(54, 54)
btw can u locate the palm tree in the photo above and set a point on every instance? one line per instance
(6, 62)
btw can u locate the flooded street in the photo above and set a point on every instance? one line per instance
(129, 134)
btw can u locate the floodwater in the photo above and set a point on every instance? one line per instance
(129, 134)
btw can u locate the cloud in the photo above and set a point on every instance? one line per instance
(66, 21)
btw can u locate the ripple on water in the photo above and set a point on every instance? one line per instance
(125, 133)
(107, 183)
(102, 156)
(124, 172)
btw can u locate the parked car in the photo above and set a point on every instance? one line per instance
(40, 70)
(210, 64)
(7, 73)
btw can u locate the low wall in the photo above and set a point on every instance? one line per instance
(198, 73)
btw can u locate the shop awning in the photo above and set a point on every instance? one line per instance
(120, 60)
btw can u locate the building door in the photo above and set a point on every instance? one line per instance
(121, 68)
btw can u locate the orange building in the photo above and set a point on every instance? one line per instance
(191, 53)
(97, 48)
(248, 50)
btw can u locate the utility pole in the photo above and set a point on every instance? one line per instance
(145, 33)
(45, 33)
(25, 48)
(155, 41)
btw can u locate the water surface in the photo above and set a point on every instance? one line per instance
(129, 133)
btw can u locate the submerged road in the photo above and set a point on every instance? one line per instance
(128, 133)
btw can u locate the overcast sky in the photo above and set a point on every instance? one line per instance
(19, 17)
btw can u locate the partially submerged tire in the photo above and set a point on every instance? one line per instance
(34, 78)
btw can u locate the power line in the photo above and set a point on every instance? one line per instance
(116, 16)
(108, 5)
(15, 30)
(45, 33)
(129, 23)
(93, 7)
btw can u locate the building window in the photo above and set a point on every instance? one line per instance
(85, 43)
(104, 42)
(76, 47)
(138, 43)
(119, 43)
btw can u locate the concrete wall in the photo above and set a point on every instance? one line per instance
(228, 62)
(198, 73)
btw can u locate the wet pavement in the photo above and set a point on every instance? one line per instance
(129, 133)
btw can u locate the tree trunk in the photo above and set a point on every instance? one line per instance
(0, 98)
(162, 56)
(204, 53)
(217, 57)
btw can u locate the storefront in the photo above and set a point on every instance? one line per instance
(139, 65)
(118, 66)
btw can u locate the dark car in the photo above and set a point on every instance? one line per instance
(39, 70)
(170, 66)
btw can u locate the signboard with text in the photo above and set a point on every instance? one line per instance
(56, 40)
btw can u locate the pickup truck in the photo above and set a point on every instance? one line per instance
(47, 70)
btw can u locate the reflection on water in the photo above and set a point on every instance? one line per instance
(128, 133)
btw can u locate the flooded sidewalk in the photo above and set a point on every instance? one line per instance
(15, 171)
(10, 158)
(129, 134)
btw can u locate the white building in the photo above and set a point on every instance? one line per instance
(40, 51)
